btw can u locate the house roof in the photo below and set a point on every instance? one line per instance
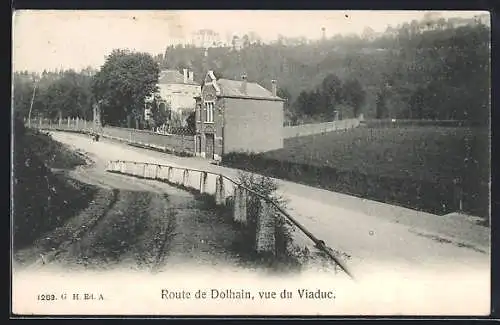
(233, 88)
(172, 77)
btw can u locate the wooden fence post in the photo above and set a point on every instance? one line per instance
(157, 171)
(60, 121)
(76, 123)
(219, 190)
(240, 205)
(169, 174)
(40, 122)
(265, 239)
(134, 169)
(203, 182)
(185, 178)
(68, 122)
(144, 170)
(236, 205)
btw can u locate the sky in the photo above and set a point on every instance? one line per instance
(55, 39)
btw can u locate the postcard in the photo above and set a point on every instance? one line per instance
(232, 163)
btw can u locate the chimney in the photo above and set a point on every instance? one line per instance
(274, 87)
(191, 76)
(244, 83)
(185, 75)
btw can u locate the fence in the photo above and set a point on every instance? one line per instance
(172, 143)
(384, 123)
(317, 128)
(224, 188)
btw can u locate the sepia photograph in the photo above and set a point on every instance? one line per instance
(250, 162)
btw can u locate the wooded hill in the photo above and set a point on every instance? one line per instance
(424, 69)
(429, 69)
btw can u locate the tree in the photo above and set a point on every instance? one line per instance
(69, 96)
(246, 41)
(235, 41)
(123, 83)
(22, 94)
(191, 121)
(381, 105)
(290, 113)
(66, 93)
(285, 94)
(330, 94)
(354, 95)
(160, 111)
(304, 104)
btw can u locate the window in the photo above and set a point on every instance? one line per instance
(198, 113)
(209, 112)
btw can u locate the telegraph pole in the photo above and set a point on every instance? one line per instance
(32, 100)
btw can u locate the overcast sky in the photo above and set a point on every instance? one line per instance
(76, 39)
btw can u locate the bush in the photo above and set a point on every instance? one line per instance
(285, 250)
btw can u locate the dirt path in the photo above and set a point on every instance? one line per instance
(133, 223)
(372, 233)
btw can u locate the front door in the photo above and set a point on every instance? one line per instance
(209, 146)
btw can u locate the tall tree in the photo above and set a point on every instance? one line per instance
(331, 94)
(381, 105)
(354, 95)
(123, 83)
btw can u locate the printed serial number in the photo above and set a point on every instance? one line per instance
(46, 297)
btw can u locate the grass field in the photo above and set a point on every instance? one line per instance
(424, 153)
(431, 168)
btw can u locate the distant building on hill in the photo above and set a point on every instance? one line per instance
(206, 38)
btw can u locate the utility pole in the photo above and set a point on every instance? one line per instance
(32, 100)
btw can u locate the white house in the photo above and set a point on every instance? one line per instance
(178, 90)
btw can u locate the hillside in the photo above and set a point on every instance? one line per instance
(42, 199)
(437, 73)
(419, 70)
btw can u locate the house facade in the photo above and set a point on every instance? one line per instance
(237, 116)
(178, 91)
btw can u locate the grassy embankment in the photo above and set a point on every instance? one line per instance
(42, 199)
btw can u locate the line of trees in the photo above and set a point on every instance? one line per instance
(121, 88)
(331, 100)
(55, 94)
(434, 68)
(423, 70)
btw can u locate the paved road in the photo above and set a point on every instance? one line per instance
(379, 237)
